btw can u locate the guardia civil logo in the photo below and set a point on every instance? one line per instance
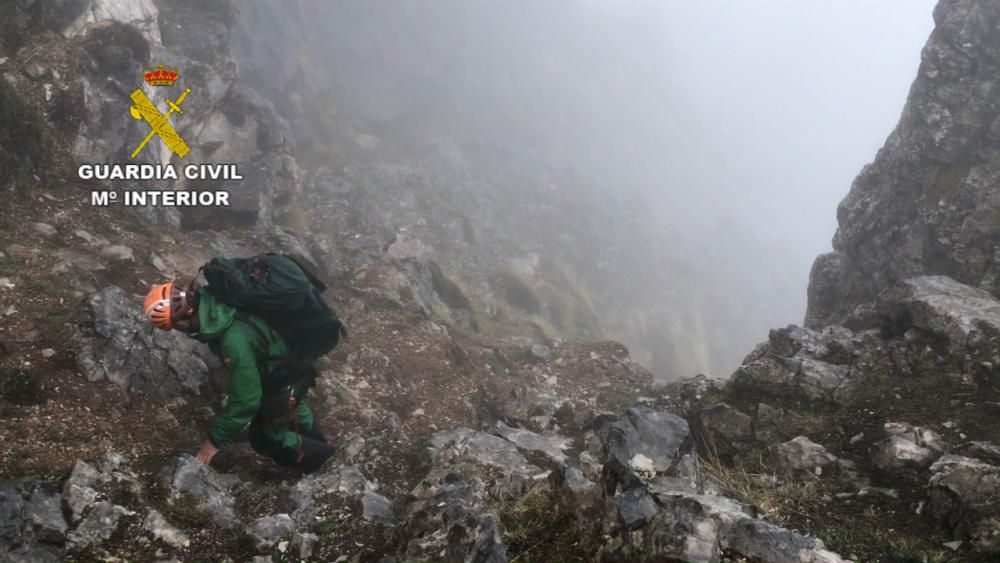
(193, 186)
(159, 123)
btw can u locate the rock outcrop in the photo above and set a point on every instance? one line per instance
(928, 202)
(119, 345)
(923, 351)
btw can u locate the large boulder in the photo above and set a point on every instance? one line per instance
(103, 520)
(80, 490)
(550, 449)
(964, 494)
(906, 448)
(803, 459)
(305, 497)
(33, 526)
(88, 483)
(643, 440)
(800, 363)
(485, 456)
(699, 527)
(965, 317)
(118, 344)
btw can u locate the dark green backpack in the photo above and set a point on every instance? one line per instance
(286, 292)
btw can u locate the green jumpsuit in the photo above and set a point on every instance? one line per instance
(252, 351)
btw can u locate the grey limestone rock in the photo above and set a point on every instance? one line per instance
(643, 434)
(212, 491)
(11, 506)
(698, 527)
(346, 480)
(804, 459)
(479, 452)
(44, 229)
(963, 494)
(161, 529)
(100, 523)
(548, 447)
(634, 508)
(118, 253)
(80, 490)
(376, 508)
(44, 516)
(267, 530)
(803, 363)
(906, 449)
(985, 451)
(304, 544)
(118, 344)
(966, 317)
(32, 526)
(449, 519)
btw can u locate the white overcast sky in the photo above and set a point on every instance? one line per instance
(790, 100)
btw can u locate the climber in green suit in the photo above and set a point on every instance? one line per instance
(281, 426)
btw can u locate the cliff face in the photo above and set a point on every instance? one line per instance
(929, 203)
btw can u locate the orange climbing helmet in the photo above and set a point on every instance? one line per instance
(167, 303)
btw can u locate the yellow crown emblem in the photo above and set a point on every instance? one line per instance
(161, 76)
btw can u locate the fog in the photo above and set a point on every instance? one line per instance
(740, 125)
(789, 100)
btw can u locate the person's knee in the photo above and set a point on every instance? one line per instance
(309, 451)
(315, 433)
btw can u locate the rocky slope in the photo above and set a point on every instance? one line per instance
(871, 439)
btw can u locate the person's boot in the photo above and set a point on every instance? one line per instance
(314, 454)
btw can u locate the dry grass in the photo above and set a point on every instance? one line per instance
(870, 530)
(540, 526)
(753, 483)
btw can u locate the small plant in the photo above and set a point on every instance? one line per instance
(541, 526)
(239, 544)
(326, 527)
(21, 387)
(186, 511)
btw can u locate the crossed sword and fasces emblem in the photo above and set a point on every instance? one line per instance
(158, 122)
